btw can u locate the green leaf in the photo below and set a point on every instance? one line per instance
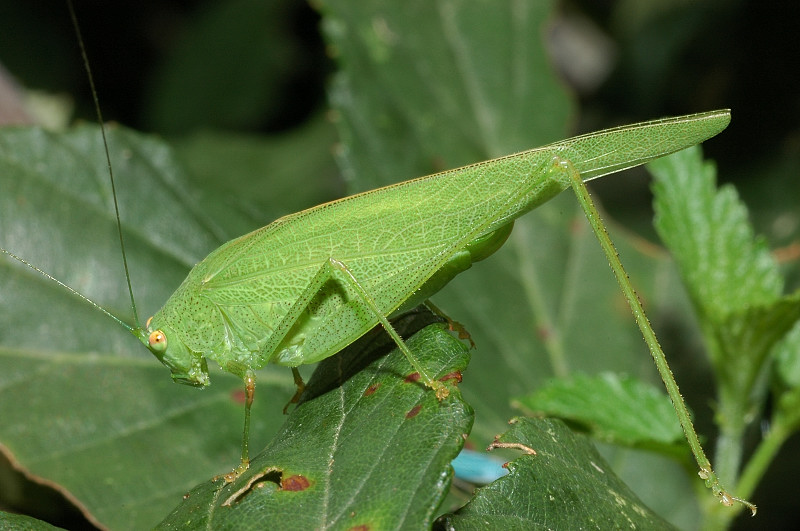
(748, 337)
(565, 485)
(365, 448)
(265, 177)
(614, 409)
(725, 267)
(732, 279)
(19, 522)
(94, 414)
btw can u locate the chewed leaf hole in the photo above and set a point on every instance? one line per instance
(257, 481)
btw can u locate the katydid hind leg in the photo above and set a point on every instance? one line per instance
(593, 216)
(348, 278)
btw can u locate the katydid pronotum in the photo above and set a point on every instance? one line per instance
(307, 285)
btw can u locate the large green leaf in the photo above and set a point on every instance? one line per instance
(84, 406)
(614, 409)
(366, 448)
(436, 85)
(726, 268)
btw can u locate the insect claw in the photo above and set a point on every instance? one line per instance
(234, 474)
(442, 391)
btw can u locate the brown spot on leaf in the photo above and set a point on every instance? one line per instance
(461, 330)
(362, 527)
(455, 376)
(414, 412)
(411, 378)
(371, 389)
(270, 474)
(295, 483)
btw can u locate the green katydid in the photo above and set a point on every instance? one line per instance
(307, 285)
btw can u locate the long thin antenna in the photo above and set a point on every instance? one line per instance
(110, 172)
(71, 290)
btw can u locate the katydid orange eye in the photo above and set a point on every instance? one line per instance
(158, 341)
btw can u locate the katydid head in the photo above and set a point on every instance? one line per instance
(185, 366)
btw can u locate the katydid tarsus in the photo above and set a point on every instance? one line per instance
(307, 285)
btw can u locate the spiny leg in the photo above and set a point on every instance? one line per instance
(439, 388)
(589, 209)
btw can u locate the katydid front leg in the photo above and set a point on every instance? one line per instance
(249, 396)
